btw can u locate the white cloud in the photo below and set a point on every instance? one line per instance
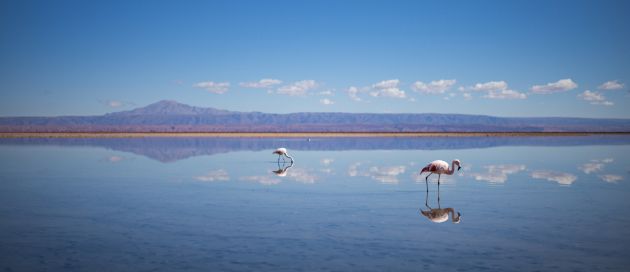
(353, 93)
(505, 94)
(595, 98)
(449, 96)
(386, 84)
(392, 92)
(213, 87)
(467, 96)
(216, 175)
(326, 92)
(559, 177)
(115, 103)
(498, 173)
(496, 90)
(261, 84)
(434, 87)
(611, 178)
(611, 85)
(388, 88)
(490, 86)
(326, 101)
(554, 87)
(297, 88)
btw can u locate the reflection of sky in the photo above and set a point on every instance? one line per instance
(384, 174)
(294, 174)
(498, 173)
(330, 203)
(385, 167)
(611, 178)
(301, 175)
(599, 166)
(215, 175)
(594, 165)
(262, 179)
(559, 177)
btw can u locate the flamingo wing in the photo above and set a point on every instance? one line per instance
(438, 166)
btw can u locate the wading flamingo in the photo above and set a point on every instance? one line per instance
(282, 152)
(439, 167)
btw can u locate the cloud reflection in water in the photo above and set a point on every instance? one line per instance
(611, 178)
(594, 166)
(498, 173)
(559, 177)
(215, 175)
(383, 174)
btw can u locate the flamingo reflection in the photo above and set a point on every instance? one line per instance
(439, 215)
(282, 170)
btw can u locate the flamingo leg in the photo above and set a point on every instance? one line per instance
(439, 192)
(278, 159)
(426, 197)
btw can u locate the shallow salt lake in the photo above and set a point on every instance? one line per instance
(209, 204)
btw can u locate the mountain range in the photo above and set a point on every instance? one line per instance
(171, 116)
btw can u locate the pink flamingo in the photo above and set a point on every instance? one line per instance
(440, 167)
(282, 152)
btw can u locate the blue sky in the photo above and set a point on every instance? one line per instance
(503, 58)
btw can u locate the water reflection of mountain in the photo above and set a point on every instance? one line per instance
(173, 149)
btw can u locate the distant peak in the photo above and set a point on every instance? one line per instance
(170, 107)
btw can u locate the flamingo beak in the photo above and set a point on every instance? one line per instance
(459, 167)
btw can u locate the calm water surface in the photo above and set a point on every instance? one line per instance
(549, 204)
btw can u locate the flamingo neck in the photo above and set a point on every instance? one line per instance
(452, 169)
(452, 214)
